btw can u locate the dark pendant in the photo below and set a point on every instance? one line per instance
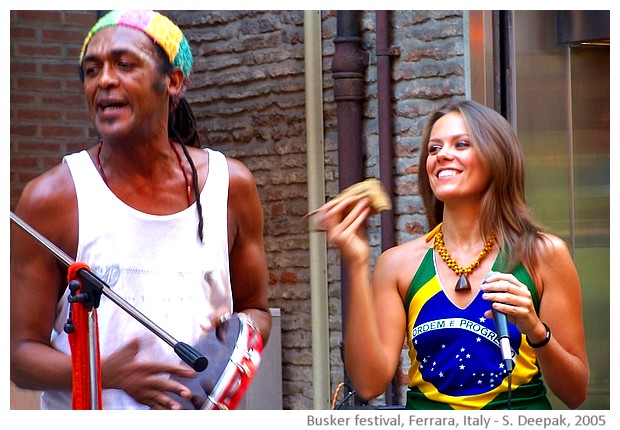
(462, 284)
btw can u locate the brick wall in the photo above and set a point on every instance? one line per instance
(248, 96)
(48, 111)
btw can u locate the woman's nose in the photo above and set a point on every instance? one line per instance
(444, 153)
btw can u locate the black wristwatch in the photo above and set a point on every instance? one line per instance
(543, 342)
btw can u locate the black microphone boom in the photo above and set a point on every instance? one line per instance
(501, 327)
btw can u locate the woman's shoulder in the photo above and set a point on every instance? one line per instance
(408, 254)
(553, 258)
(400, 263)
(551, 245)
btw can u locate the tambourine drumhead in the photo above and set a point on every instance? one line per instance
(233, 351)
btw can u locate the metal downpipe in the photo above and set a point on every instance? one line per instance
(384, 89)
(384, 99)
(348, 68)
(316, 197)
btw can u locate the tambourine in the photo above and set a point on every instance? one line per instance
(233, 351)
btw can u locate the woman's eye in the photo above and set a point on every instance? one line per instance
(463, 144)
(434, 149)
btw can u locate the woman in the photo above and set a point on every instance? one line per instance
(473, 191)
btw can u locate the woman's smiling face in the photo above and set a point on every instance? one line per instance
(453, 166)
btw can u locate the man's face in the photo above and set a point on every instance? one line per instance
(127, 95)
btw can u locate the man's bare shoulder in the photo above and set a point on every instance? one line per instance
(48, 204)
(239, 172)
(50, 189)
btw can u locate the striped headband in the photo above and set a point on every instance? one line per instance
(155, 25)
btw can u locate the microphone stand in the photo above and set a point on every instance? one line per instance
(93, 287)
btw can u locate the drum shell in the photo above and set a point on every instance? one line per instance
(233, 351)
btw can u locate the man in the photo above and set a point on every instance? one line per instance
(174, 229)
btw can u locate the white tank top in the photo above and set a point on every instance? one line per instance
(154, 262)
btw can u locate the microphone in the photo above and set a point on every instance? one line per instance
(501, 326)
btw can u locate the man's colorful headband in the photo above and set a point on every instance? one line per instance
(155, 25)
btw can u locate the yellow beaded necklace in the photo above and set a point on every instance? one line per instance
(462, 283)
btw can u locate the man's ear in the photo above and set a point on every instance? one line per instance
(175, 85)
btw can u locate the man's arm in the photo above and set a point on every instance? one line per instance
(248, 266)
(38, 280)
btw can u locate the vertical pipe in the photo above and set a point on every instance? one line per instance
(316, 196)
(384, 98)
(348, 74)
(384, 90)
